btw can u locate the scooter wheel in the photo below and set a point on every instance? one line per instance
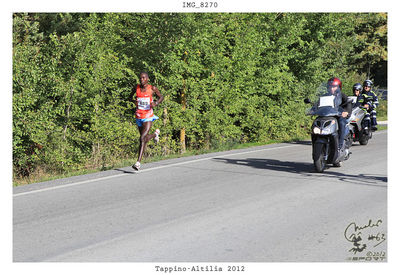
(319, 151)
(364, 140)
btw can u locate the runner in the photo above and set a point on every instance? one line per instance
(144, 113)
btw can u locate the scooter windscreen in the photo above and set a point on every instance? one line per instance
(326, 104)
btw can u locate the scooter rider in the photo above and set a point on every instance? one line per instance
(369, 101)
(335, 88)
(357, 89)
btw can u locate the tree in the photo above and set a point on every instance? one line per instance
(371, 49)
(226, 78)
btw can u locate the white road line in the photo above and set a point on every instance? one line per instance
(156, 168)
(147, 170)
(67, 185)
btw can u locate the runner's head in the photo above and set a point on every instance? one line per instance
(144, 78)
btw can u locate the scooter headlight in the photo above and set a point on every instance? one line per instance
(316, 130)
(329, 127)
(326, 127)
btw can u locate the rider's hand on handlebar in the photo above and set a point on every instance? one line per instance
(344, 114)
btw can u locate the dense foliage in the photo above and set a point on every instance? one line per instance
(226, 77)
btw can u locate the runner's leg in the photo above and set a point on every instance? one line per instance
(145, 137)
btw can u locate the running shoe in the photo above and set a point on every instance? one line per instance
(136, 166)
(157, 137)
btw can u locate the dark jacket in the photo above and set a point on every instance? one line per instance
(346, 104)
(369, 98)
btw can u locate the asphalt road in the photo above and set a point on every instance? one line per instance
(261, 204)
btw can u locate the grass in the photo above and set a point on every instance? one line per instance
(382, 127)
(381, 111)
(41, 176)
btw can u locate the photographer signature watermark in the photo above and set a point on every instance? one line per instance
(366, 240)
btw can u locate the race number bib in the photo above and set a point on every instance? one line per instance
(327, 101)
(143, 103)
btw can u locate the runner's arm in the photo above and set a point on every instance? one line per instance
(159, 95)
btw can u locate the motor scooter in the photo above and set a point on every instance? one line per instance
(359, 130)
(325, 133)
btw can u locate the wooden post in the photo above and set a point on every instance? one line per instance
(183, 131)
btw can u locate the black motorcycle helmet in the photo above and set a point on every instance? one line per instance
(358, 87)
(367, 83)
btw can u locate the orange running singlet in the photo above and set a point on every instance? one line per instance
(143, 100)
